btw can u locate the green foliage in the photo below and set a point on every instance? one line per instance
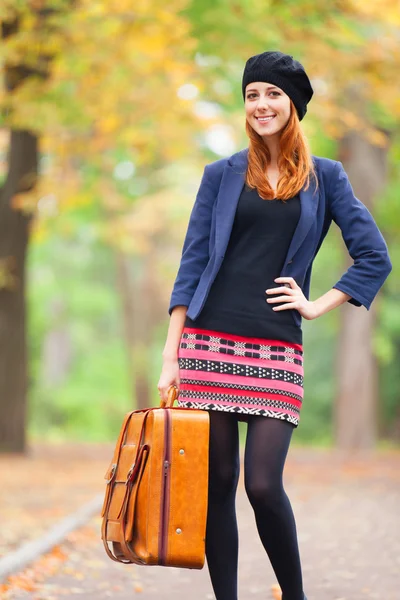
(112, 97)
(72, 291)
(90, 405)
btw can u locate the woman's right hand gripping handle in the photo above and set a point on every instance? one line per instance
(170, 369)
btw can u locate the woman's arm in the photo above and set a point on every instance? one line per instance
(294, 298)
(329, 301)
(363, 239)
(195, 252)
(170, 374)
(175, 328)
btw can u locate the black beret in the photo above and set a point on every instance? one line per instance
(283, 71)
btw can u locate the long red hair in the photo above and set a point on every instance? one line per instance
(294, 163)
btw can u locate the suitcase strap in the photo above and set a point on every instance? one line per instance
(126, 525)
(134, 475)
(110, 474)
(112, 469)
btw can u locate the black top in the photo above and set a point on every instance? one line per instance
(261, 233)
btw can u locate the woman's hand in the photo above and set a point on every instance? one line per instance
(169, 376)
(293, 298)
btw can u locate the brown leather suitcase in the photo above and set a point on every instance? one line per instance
(155, 505)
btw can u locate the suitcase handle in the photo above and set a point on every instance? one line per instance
(172, 396)
(111, 471)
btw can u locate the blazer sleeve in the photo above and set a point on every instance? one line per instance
(195, 252)
(364, 241)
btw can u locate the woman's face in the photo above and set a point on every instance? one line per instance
(263, 100)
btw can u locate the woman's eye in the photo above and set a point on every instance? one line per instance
(253, 95)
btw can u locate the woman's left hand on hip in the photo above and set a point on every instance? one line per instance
(293, 298)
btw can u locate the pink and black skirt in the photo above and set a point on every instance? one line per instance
(243, 375)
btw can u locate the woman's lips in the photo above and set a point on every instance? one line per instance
(263, 120)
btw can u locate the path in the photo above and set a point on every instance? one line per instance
(347, 515)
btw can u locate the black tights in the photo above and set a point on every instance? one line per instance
(267, 443)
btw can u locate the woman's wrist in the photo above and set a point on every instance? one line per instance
(170, 356)
(332, 299)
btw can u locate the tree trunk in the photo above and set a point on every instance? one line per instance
(357, 396)
(14, 235)
(141, 314)
(137, 330)
(57, 350)
(128, 305)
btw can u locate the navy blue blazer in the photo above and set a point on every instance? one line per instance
(212, 217)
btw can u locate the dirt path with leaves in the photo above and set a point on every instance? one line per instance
(348, 524)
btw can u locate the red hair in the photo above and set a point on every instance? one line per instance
(294, 163)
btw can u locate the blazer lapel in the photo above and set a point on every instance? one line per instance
(231, 187)
(232, 183)
(308, 207)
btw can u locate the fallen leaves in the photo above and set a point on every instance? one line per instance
(29, 579)
(40, 489)
(323, 487)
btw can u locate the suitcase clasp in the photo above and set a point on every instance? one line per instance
(112, 473)
(129, 474)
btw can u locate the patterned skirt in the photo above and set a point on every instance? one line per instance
(237, 374)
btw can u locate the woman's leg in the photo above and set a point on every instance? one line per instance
(267, 444)
(222, 532)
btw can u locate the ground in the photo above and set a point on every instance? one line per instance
(346, 510)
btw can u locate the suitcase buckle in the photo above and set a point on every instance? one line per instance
(129, 474)
(112, 473)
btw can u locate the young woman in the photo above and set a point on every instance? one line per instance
(234, 344)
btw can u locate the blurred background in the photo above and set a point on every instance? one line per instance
(109, 111)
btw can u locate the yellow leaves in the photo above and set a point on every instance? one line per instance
(151, 42)
(25, 202)
(349, 118)
(376, 137)
(156, 39)
(386, 11)
(94, 8)
(4, 143)
(32, 43)
(39, 231)
(136, 231)
(108, 124)
(104, 51)
(116, 78)
(145, 7)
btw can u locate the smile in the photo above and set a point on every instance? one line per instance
(265, 119)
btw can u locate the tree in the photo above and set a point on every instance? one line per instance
(14, 237)
(94, 84)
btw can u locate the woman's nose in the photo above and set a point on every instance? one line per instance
(262, 103)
